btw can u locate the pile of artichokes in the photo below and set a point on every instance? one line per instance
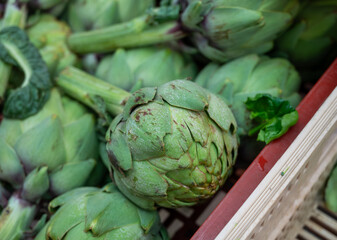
(112, 109)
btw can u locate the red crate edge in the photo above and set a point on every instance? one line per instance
(266, 159)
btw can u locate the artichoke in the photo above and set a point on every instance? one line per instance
(86, 15)
(144, 67)
(313, 36)
(248, 76)
(92, 213)
(171, 146)
(46, 154)
(49, 36)
(227, 29)
(220, 29)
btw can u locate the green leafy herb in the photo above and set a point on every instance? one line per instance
(16, 50)
(273, 115)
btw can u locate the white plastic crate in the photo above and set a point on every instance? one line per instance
(286, 200)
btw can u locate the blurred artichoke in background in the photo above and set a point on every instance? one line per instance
(220, 29)
(84, 15)
(49, 35)
(227, 29)
(313, 37)
(48, 153)
(248, 76)
(145, 67)
(93, 213)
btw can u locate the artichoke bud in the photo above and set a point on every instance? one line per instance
(60, 138)
(144, 67)
(247, 76)
(86, 213)
(313, 35)
(52, 44)
(16, 218)
(165, 144)
(224, 30)
(36, 184)
(70, 176)
(11, 169)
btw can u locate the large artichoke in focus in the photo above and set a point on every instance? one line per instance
(144, 67)
(49, 35)
(313, 36)
(100, 214)
(248, 76)
(86, 15)
(171, 146)
(46, 154)
(227, 29)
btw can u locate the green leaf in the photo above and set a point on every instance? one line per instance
(15, 49)
(274, 116)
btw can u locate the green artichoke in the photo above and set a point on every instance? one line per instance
(144, 67)
(49, 36)
(171, 146)
(248, 76)
(220, 29)
(227, 29)
(46, 154)
(313, 36)
(86, 15)
(92, 213)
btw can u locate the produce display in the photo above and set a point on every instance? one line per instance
(113, 110)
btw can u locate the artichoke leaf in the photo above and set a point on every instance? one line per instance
(184, 94)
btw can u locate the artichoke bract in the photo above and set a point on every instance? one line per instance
(49, 35)
(248, 76)
(144, 67)
(171, 146)
(313, 36)
(85, 15)
(49, 153)
(97, 214)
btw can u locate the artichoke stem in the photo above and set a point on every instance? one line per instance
(16, 218)
(85, 88)
(135, 33)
